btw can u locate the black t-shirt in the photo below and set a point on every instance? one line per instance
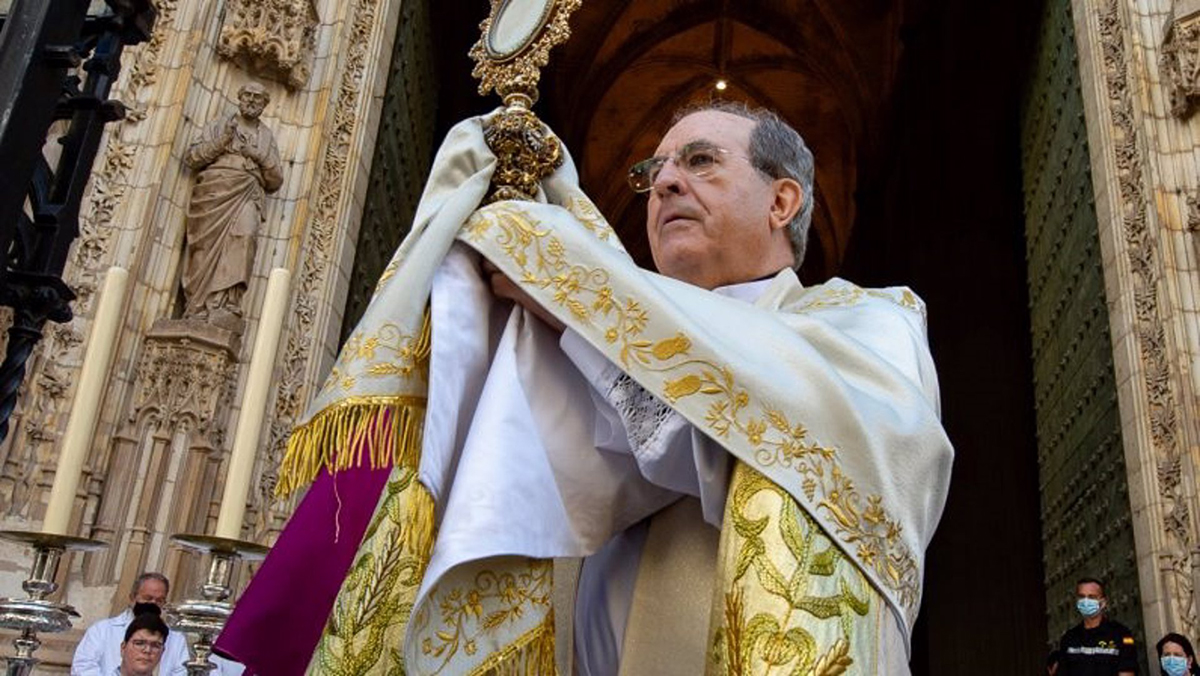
(1104, 651)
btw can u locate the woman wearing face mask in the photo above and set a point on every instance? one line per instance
(1175, 656)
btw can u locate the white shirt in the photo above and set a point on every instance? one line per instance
(99, 653)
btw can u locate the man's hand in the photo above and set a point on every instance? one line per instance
(503, 287)
(250, 152)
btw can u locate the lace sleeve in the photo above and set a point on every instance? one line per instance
(646, 418)
(670, 452)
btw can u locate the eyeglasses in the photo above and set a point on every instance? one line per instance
(147, 646)
(698, 158)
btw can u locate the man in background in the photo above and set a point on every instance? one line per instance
(1097, 646)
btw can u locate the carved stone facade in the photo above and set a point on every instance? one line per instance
(1143, 164)
(328, 243)
(184, 379)
(158, 459)
(1180, 58)
(167, 454)
(273, 38)
(1087, 527)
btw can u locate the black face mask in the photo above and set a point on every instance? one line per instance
(144, 608)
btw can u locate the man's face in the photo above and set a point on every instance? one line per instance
(1091, 590)
(151, 591)
(715, 230)
(141, 653)
(251, 103)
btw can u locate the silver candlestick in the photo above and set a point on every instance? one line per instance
(205, 617)
(36, 613)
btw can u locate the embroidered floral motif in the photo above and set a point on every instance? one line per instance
(846, 295)
(860, 522)
(387, 274)
(481, 615)
(807, 601)
(367, 625)
(591, 218)
(389, 351)
(584, 292)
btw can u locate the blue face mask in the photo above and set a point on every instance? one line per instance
(1174, 665)
(1088, 607)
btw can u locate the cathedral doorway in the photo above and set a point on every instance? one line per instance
(914, 110)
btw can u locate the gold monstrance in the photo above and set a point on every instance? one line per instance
(515, 44)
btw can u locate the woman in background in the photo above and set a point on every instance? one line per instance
(1176, 656)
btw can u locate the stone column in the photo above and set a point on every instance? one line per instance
(1144, 161)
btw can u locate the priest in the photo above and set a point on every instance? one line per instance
(750, 470)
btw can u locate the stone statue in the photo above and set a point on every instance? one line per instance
(238, 163)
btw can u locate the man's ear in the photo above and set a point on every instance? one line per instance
(789, 197)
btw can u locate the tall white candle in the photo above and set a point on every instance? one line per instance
(81, 424)
(254, 405)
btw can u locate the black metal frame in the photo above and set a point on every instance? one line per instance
(42, 43)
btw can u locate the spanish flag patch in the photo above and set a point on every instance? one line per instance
(1128, 640)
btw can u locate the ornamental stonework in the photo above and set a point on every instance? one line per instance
(1180, 58)
(186, 376)
(1140, 153)
(297, 379)
(1141, 250)
(274, 39)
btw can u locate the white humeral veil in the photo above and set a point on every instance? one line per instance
(828, 392)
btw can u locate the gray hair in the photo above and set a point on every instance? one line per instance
(777, 151)
(137, 584)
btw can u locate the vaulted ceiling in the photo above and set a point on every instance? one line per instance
(828, 66)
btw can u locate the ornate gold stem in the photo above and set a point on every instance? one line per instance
(525, 151)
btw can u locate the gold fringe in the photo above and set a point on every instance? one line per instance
(387, 428)
(424, 343)
(532, 654)
(419, 524)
